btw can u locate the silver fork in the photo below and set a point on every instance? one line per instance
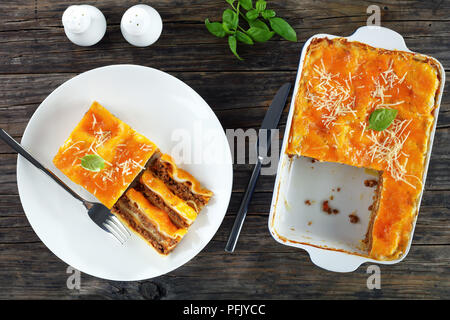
(98, 213)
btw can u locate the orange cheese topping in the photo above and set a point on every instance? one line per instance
(124, 150)
(156, 215)
(342, 83)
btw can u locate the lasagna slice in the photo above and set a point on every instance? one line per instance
(123, 151)
(148, 221)
(160, 208)
(341, 85)
(181, 182)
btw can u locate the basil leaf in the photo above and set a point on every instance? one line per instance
(215, 28)
(252, 14)
(260, 35)
(233, 46)
(227, 29)
(283, 28)
(230, 2)
(92, 162)
(381, 119)
(266, 14)
(260, 5)
(246, 4)
(259, 24)
(242, 37)
(230, 18)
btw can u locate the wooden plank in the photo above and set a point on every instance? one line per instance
(24, 57)
(247, 275)
(43, 13)
(38, 30)
(244, 89)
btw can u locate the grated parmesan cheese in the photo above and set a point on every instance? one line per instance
(387, 147)
(74, 145)
(333, 96)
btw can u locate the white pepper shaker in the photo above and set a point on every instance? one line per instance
(84, 25)
(141, 25)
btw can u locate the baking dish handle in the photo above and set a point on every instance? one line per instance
(380, 37)
(334, 260)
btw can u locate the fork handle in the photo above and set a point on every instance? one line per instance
(20, 150)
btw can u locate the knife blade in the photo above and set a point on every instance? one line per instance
(269, 123)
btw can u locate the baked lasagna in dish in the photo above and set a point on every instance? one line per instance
(124, 152)
(126, 172)
(346, 95)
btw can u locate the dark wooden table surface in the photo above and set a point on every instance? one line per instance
(36, 57)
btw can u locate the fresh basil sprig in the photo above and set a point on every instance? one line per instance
(92, 162)
(381, 119)
(255, 29)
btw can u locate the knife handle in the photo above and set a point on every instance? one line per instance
(242, 213)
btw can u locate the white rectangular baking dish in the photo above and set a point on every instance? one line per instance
(331, 241)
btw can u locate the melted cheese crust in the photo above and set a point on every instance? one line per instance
(124, 150)
(341, 84)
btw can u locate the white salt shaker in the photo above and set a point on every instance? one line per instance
(141, 25)
(84, 25)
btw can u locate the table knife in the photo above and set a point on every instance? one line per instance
(270, 122)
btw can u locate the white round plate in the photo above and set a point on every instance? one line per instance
(157, 105)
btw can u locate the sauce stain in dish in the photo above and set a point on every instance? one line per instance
(326, 208)
(370, 183)
(353, 218)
